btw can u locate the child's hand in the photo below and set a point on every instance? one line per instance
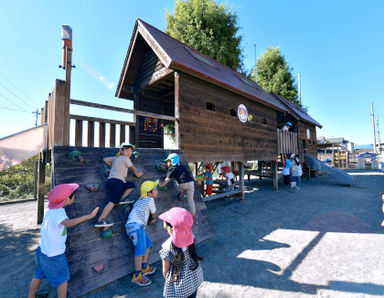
(139, 174)
(93, 213)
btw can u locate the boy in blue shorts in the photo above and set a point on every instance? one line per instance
(118, 187)
(135, 227)
(50, 256)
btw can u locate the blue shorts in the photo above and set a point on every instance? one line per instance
(54, 269)
(141, 241)
(116, 188)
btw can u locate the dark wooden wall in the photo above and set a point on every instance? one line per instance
(216, 135)
(85, 248)
(310, 143)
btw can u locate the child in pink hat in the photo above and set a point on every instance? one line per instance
(50, 256)
(181, 265)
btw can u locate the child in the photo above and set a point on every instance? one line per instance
(50, 254)
(286, 170)
(220, 171)
(208, 179)
(118, 187)
(229, 177)
(181, 265)
(287, 126)
(135, 227)
(296, 172)
(184, 180)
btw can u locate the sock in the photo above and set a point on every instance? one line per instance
(144, 266)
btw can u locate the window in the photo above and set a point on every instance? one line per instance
(200, 57)
(233, 113)
(210, 106)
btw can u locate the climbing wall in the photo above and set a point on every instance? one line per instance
(87, 252)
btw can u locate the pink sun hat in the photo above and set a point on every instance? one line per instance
(58, 196)
(182, 221)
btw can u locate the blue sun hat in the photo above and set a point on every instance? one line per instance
(328, 160)
(174, 158)
(289, 123)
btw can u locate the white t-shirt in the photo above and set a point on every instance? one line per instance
(53, 233)
(229, 177)
(141, 210)
(120, 167)
(219, 168)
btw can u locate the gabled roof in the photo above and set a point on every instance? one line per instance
(296, 111)
(178, 56)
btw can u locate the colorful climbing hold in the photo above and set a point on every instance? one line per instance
(98, 268)
(75, 155)
(106, 234)
(93, 187)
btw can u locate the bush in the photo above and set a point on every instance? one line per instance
(17, 183)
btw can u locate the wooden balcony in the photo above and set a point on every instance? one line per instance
(287, 142)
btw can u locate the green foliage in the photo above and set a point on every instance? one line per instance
(274, 75)
(208, 27)
(169, 129)
(17, 182)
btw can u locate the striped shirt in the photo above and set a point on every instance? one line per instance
(141, 210)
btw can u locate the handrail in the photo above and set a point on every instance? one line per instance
(106, 107)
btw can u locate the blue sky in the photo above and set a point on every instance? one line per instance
(337, 46)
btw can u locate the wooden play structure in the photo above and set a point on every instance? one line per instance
(218, 115)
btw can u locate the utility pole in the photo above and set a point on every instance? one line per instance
(299, 79)
(374, 130)
(378, 135)
(37, 116)
(254, 45)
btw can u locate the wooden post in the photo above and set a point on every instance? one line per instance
(102, 134)
(241, 180)
(35, 184)
(112, 135)
(275, 176)
(177, 110)
(40, 199)
(91, 134)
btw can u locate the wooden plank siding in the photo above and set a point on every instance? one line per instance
(85, 248)
(310, 143)
(216, 135)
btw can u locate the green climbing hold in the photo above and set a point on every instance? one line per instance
(75, 155)
(161, 188)
(106, 234)
(93, 187)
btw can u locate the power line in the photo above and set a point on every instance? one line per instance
(12, 102)
(18, 97)
(19, 89)
(15, 110)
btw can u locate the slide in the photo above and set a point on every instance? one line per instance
(339, 176)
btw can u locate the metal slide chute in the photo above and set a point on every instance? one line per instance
(338, 175)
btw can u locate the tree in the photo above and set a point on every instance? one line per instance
(208, 27)
(274, 75)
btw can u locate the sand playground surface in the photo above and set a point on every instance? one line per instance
(323, 240)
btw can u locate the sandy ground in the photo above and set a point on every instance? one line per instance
(322, 241)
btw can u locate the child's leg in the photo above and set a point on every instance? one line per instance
(190, 194)
(62, 290)
(107, 209)
(33, 287)
(127, 192)
(138, 262)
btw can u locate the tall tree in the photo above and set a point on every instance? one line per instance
(274, 74)
(208, 27)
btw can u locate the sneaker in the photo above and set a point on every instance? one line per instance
(126, 200)
(149, 270)
(103, 224)
(181, 196)
(195, 220)
(141, 280)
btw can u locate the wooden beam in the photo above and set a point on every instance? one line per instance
(86, 118)
(112, 135)
(122, 133)
(102, 134)
(222, 195)
(91, 134)
(177, 111)
(156, 76)
(105, 107)
(78, 133)
(41, 186)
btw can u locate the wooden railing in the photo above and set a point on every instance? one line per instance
(286, 142)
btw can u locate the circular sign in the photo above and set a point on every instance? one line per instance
(242, 113)
(308, 134)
